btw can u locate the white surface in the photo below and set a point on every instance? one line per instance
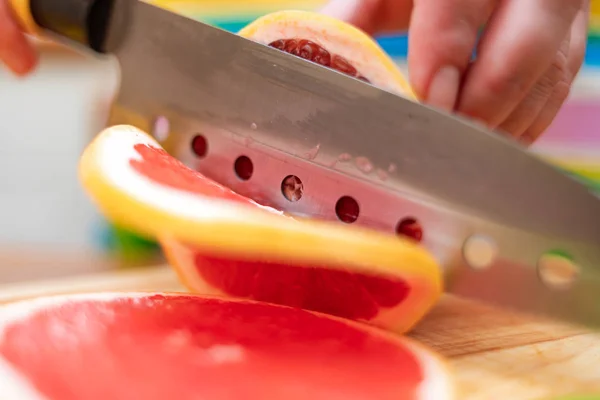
(45, 122)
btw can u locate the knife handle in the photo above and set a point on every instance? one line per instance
(83, 21)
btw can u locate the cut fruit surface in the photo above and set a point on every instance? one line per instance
(223, 243)
(332, 43)
(168, 346)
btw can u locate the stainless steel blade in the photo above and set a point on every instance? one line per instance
(343, 137)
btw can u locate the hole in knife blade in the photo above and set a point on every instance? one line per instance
(199, 146)
(243, 168)
(479, 251)
(411, 228)
(557, 270)
(347, 209)
(161, 128)
(292, 188)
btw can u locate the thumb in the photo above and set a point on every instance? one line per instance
(15, 51)
(372, 16)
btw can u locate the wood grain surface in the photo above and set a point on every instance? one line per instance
(494, 354)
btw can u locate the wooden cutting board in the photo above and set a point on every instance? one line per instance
(494, 354)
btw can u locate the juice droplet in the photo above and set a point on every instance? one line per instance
(363, 164)
(344, 157)
(312, 153)
(253, 126)
(381, 174)
(392, 168)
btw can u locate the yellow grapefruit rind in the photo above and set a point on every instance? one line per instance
(337, 37)
(220, 227)
(438, 385)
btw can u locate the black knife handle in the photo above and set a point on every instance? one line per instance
(84, 21)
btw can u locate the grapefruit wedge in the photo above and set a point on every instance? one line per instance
(224, 244)
(123, 346)
(332, 43)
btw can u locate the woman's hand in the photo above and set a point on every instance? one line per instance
(15, 50)
(527, 57)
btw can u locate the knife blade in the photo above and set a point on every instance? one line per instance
(493, 214)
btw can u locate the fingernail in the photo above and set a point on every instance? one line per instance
(444, 88)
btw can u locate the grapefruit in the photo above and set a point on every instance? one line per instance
(176, 346)
(332, 43)
(222, 243)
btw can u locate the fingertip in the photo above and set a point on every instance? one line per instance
(441, 42)
(21, 58)
(25, 67)
(16, 52)
(443, 89)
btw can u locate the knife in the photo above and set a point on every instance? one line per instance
(508, 228)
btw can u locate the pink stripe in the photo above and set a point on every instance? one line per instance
(577, 125)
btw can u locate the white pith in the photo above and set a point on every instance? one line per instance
(437, 383)
(335, 42)
(114, 154)
(14, 386)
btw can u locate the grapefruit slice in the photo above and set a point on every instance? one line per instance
(167, 346)
(332, 43)
(222, 243)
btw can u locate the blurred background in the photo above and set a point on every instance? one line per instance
(48, 228)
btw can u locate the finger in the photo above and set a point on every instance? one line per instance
(520, 42)
(15, 51)
(546, 116)
(579, 38)
(372, 16)
(576, 54)
(441, 42)
(528, 110)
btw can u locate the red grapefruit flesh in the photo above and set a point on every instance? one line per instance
(313, 52)
(162, 346)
